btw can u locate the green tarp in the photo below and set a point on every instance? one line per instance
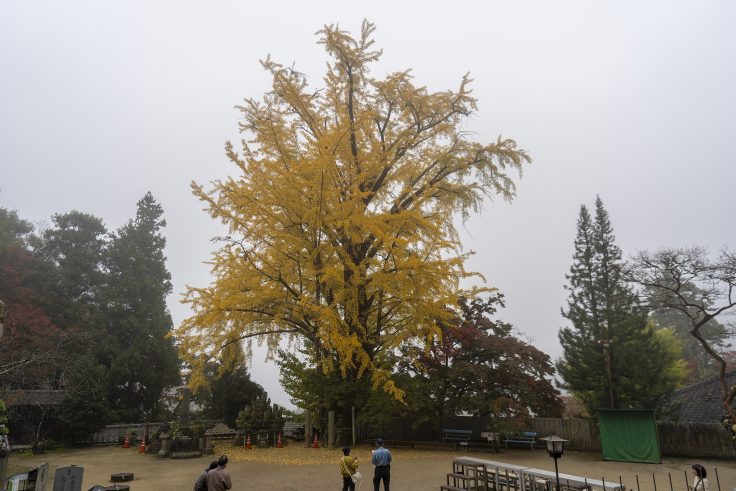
(629, 435)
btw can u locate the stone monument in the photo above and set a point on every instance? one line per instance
(164, 435)
(68, 478)
(262, 421)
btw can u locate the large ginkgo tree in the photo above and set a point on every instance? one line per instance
(340, 215)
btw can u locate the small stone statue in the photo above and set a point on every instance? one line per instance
(183, 409)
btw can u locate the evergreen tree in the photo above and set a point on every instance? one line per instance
(230, 387)
(311, 388)
(611, 357)
(85, 410)
(75, 246)
(72, 252)
(13, 229)
(141, 360)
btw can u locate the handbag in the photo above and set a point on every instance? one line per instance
(357, 476)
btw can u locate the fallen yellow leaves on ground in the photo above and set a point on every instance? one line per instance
(296, 454)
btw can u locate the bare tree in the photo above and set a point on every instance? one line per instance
(699, 287)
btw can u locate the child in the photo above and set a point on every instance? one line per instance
(348, 466)
(700, 483)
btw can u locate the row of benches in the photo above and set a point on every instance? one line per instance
(473, 473)
(463, 438)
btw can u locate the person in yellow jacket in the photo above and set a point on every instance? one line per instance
(348, 467)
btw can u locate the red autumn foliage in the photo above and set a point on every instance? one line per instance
(30, 338)
(480, 367)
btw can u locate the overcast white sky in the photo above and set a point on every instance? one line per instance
(103, 101)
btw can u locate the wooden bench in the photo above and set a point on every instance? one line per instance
(526, 438)
(461, 481)
(460, 437)
(400, 443)
(489, 439)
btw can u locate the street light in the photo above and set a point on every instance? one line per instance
(555, 447)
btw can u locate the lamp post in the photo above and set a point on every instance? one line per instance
(555, 447)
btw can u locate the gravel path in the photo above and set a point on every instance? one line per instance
(296, 468)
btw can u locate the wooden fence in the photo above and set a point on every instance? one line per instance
(675, 439)
(582, 434)
(113, 433)
(695, 440)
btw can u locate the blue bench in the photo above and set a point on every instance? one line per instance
(525, 438)
(461, 437)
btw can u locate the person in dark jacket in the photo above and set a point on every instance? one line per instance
(201, 484)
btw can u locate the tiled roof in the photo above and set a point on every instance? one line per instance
(702, 402)
(33, 397)
(220, 429)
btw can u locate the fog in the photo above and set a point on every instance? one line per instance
(633, 101)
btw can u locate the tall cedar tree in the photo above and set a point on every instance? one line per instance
(141, 360)
(612, 357)
(341, 233)
(72, 251)
(480, 367)
(74, 247)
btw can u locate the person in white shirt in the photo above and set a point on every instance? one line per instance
(700, 483)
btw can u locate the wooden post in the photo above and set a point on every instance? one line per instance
(331, 430)
(316, 422)
(307, 429)
(352, 421)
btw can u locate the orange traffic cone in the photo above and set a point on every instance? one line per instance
(126, 442)
(142, 446)
(247, 443)
(279, 443)
(315, 444)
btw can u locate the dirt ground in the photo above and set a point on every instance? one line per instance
(296, 468)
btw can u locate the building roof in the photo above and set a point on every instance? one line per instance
(33, 397)
(220, 429)
(701, 402)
